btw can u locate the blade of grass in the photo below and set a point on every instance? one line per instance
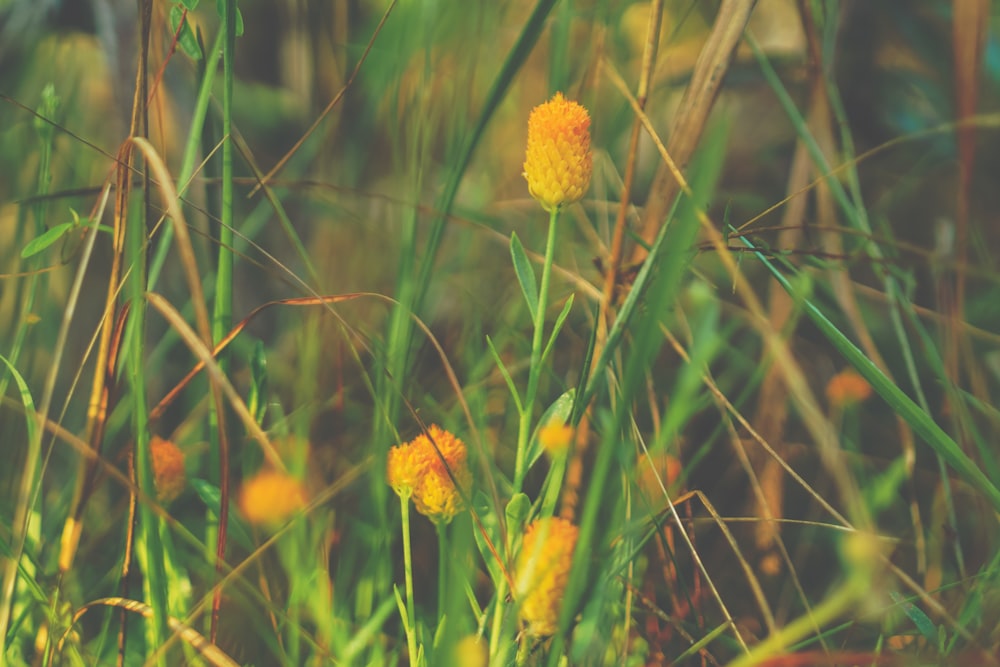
(223, 305)
(664, 269)
(903, 405)
(400, 328)
(25, 500)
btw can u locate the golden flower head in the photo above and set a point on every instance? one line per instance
(168, 469)
(270, 497)
(415, 470)
(847, 388)
(558, 162)
(543, 566)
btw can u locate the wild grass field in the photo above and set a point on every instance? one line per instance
(414, 332)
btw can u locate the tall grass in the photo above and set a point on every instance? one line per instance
(294, 238)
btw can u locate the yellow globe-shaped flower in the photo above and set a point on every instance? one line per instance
(558, 162)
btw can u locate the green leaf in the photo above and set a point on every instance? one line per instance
(483, 507)
(190, 4)
(185, 38)
(257, 395)
(26, 401)
(924, 624)
(525, 274)
(517, 511)
(210, 495)
(555, 329)
(40, 243)
(220, 6)
(506, 375)
(402, 606)
(559, 412)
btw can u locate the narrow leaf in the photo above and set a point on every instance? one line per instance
(44, 240)
(210, 495)
(555, 329)
(924, 624)
(506, 375)
(525, 274)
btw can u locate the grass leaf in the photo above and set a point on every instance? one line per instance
(525, 274)
(903, 405)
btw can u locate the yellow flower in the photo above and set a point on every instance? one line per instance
(847, 388)
(168, 469)
(471, 651)
(558, 162)
(415, 470)
(542, 572)
(555, 438)
(270, 497)
(406, 466)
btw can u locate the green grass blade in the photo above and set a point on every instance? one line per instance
(918, 419)
(557, 327)
(512, 65)
(20, 522)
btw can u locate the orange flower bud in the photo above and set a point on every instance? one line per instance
(558, 162)
(270, 497)
(847, 388)
(415, 470)
(168, 469)
(543, 566)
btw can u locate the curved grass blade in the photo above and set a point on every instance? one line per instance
(515, 59)
(903, 405)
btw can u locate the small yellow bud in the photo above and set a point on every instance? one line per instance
(271, 497)
(847, 388)
(555, 438)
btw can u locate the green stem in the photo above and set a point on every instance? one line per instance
(442, 532)
(553, 486)
(498, 656)
(410, 625)
(223, 304)
(224, 272)
(190, 153)
(840, 601)
(155, 579)
(534, 369)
